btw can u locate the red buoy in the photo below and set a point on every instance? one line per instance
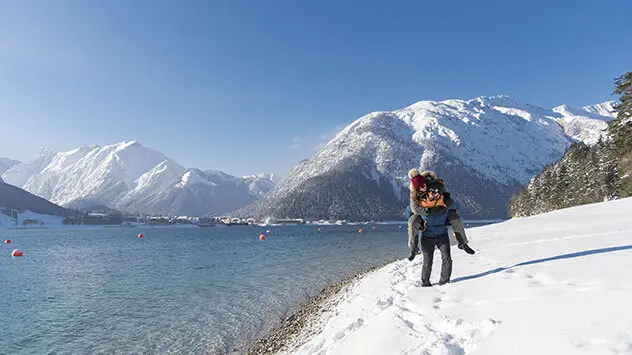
(8, 241)
(361, 230)
(140, 235)
(262, 237)
(17, 252)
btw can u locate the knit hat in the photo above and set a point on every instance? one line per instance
(429, 175)
(416, 180)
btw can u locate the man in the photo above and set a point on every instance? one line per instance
(432, 210)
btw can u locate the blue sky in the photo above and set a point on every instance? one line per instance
(255, 86)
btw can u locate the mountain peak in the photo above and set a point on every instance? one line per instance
(483, 101)
(259, 176)
(126, 145)
(485, 147)
(219, 175)
(131, 177)
(566, 111)
(43, 151)
(194, 176)
(604, 109)
(495, 100)
(6, 164)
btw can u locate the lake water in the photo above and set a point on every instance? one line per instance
(188, 290)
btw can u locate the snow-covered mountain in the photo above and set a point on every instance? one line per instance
(18, 174)
(485, 149)
(587, 125)
(129, 177)
(195, 193)
(259, 184)
(585, 174)
(6, 164)
(605, 110)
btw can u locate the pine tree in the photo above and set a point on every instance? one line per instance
(586, 174)
(621, 130)
(624, 88)
(622, 126)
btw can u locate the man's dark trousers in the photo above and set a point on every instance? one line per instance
(442, 242)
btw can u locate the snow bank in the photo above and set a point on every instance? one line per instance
(556, 283)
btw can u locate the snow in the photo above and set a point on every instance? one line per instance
(585, 129)
(262, 176)
(48, 221)
(523, 138)
(19, 174)
(125, 175)
(556, 283)
(107, 172)
(194, 176)
(587, 125)
(259, 184)
(568, 111)
(6, 164)
(461, 133)
(160, 177)
(605, 109)
(5, 221)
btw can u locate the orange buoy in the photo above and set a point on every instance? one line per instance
(318, 228)
(140, 235)
(361, 230)
(17, 252)
(8, 241)
(262, 237)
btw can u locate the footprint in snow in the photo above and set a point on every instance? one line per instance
(384, 304)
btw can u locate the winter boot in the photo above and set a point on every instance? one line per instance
(412, 254)
(466, 248)
(425, 283)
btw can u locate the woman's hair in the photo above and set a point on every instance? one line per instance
(415, 194)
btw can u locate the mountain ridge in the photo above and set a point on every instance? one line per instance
(16, 198)
(128, 176)
(586, 173)
(485, 148)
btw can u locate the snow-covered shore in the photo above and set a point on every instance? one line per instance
(47, 221)
(556, 283)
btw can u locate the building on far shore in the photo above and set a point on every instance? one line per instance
(285, 221)
(96, 218)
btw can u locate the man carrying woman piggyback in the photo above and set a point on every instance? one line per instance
(432, 211)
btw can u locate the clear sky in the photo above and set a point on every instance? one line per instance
(255, 86)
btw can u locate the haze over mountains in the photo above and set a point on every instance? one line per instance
(485, 148)
(6, 164)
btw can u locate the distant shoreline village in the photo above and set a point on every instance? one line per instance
(15, 219)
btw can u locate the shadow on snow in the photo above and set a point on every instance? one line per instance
(537, 261)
